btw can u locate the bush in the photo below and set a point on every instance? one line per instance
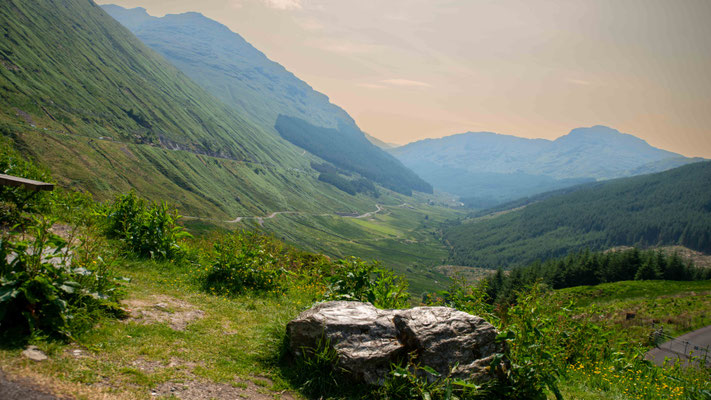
(146, 228)
(357, 280)
(244, 261)
(46, 288)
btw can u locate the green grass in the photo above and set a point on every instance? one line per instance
(400, 237)
(238, 339)
(679, 307)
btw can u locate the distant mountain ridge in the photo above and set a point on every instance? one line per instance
(504, 167)
(232, 70)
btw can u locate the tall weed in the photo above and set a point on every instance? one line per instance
(147, 229)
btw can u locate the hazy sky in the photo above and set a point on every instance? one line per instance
(411, 69)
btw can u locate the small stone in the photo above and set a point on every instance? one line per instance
(34, 354)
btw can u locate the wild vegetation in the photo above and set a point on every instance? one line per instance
(559, 343)
(672, 207)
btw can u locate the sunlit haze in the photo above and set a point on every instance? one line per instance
(413, 69)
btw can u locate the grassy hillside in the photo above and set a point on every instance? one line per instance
(672, 207)
(85, 97)
(105, 113)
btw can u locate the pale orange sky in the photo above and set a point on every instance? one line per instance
(412, 69)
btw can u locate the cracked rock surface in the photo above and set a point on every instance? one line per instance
(367, 340)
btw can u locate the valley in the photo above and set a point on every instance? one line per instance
(205, 196)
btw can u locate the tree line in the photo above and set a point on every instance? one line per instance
(593, 268)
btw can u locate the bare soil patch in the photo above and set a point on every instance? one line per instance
(196, 390)
(162, 309)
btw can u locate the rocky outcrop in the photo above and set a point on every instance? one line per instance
(368, 340)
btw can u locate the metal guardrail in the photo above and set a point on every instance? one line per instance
(683, 348)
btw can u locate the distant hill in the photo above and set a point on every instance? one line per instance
(244, 78)
(666, 208)
(488, 168)
(379, 143)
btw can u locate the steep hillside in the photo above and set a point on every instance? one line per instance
(347, 148)
(671, 207)
(243, 77)
(491, 168)
(106, 113)
(229, 67)
(378, 142)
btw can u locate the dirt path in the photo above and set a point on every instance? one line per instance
(369, 214)
(22, 389)
(260, 219)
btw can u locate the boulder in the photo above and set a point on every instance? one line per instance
(363, 336)
(449, 341)
(367, 340)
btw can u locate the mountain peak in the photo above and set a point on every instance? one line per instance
(604, 135)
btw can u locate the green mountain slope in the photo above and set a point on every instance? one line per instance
(105, 113)
(244, 78)
(671, 207)
(347, 148)
(492, 168)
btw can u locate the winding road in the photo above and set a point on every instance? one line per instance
(684, 347)
(260, 219)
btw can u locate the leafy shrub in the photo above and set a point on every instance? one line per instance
(148, 229)
(473, 299)
(357, 280)
(44, 287)
(244, 261)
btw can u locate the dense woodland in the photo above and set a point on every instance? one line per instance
(592, 268)
(667, 208)
(348, 149)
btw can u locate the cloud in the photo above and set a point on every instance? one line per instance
(284, 4)
(371, 85)
(346, 47)
(405, 82)
(395, 82)
(579, 82)
(311, 25)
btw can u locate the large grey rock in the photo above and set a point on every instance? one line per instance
(364, 337)
(367, 340)
(448, 340)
